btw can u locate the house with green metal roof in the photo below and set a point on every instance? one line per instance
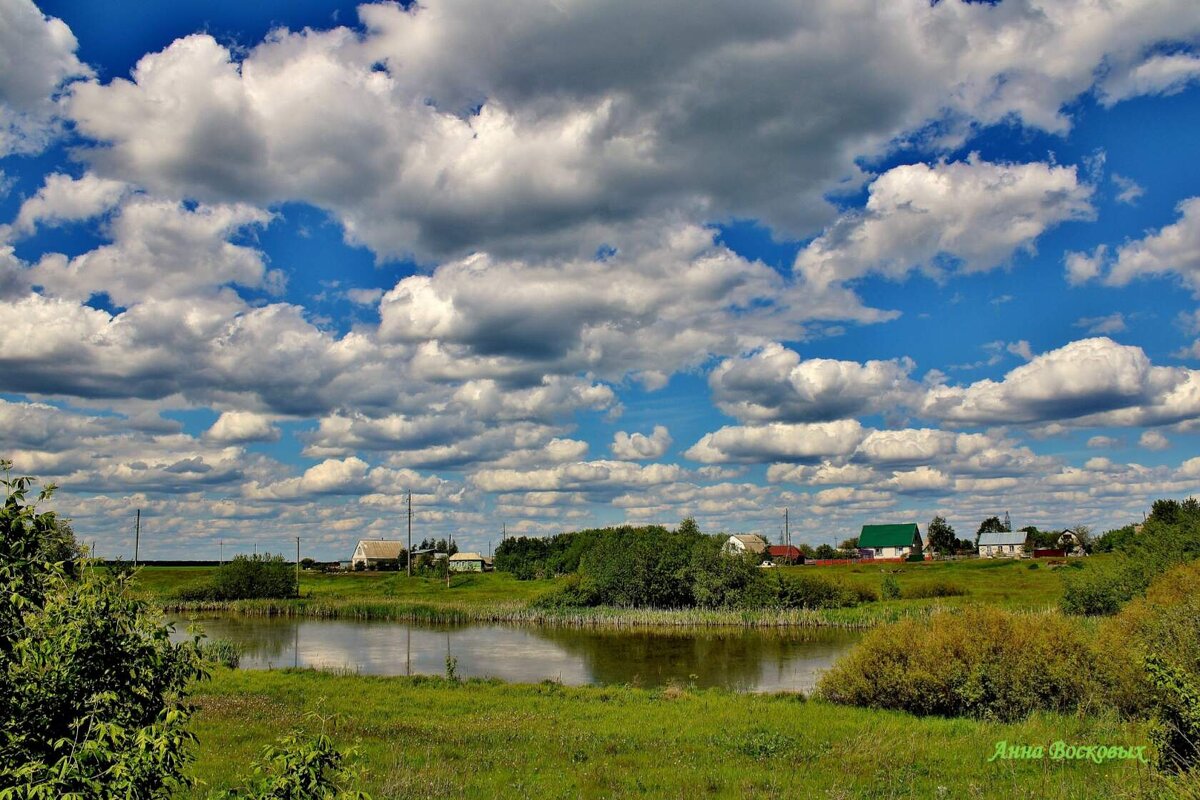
(889, 541)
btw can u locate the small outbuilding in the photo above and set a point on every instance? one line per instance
(1002, 544)
(741, 543)
(374, 553)
(889, 541)
(469, 562)
(785, 553)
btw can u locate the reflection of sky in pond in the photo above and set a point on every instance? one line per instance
(745, 660)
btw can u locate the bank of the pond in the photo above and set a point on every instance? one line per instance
(431, 738)
(500, 598)
(858, 617)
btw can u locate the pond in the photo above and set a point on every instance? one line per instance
(737, 659)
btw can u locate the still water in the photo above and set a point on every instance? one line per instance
(742, 660)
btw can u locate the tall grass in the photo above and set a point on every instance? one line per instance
(517, 613)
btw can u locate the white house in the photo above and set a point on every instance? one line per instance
(741, 543)
(1002, 544)
(373, 552)
(894, 540)
(1069, 540)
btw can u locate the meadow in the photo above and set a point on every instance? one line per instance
(436, 738)
(499, 597)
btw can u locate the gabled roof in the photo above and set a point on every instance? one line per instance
(901, 535)
(752, 541)
(785, 551)
(467, 557)
(1002, 538)
(379, 548)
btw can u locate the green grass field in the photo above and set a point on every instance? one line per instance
(500, 597)
(1009, 583)
(430, 738)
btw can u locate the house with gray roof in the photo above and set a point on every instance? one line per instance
(1002, 544)
(373, 553)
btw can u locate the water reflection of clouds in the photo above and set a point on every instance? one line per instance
(743, 660)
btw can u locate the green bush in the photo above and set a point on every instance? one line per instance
(300, 768)
(1150, 654)
(979, 662)
(889, 588)
(91, 687)
(812, 591)
(1171, 536)
(1101, 588)
(247, 578)
(1176, 730)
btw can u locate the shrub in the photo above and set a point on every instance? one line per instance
(245, 578)
(299, 768)
(813, 591)
(1150, 653)
(91, 686)
(1171, 536)
(980, 662)
(1100, 588)
(1176, 730)
(889, 588)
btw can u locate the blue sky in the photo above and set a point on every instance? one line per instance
(266, 268)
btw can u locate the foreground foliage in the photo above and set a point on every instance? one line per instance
(300, 767)
(1151, 651)
(91, 688)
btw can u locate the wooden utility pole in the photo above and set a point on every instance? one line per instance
(787, 532)
(222, 546)
(410, 534)
(297, 567)
(137, 535)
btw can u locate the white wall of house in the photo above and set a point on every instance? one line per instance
(890, 552)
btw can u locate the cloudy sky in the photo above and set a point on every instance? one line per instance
(265, 268)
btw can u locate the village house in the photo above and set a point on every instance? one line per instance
(1069, 543)
(1002, 544)
(741, 543)
(785, 553)
(469, 562)
(373, 553)
(889, 541)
